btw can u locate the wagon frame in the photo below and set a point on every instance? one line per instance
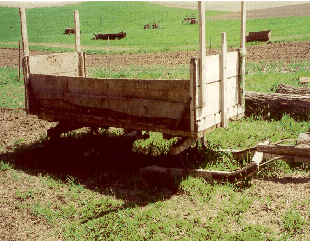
(57, 89)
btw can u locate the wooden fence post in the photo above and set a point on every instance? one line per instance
(25, 59)
(202, 54)
(81, 56)
(223, 93)
(243, 53)
(193, 93)
(22, 14)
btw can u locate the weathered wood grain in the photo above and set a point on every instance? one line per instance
(213, 67)
(288, 89)
(255, 99)
(167, 90)
(107, 118)
(66, 64)
(131, 106)
(300, 150)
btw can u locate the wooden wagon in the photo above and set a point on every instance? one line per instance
(58, 89)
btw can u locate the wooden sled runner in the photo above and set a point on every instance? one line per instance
(58, 89)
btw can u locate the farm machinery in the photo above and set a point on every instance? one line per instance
(57, 89)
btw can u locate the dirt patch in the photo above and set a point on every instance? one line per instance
(17, 127)
(286, 52)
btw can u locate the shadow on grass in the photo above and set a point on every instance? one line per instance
(100, 163)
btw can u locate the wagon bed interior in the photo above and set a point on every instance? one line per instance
(58, 89)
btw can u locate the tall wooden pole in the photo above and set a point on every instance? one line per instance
(243, 49)
(22, 14)
(25, 60)
(77, 31)
(223, 77)
(202, 54)
(81, 55)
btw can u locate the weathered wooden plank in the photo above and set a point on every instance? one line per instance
(213, 96)
(212, 99)
(231, 176)
(120, 121)
(131, 106)
(304, 79)
(169, 90)
(214, 120)
(55, 64)
(213, 66)
(301, 150)
(255, 99)
(232, 91)
(303, 138)
(288, 89)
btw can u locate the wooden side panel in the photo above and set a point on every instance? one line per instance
(213, 66)
(165, 103)
(232, 64)
(210, 114)
(231, 91)
(65, 64)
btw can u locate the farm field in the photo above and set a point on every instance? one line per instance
(87, 187)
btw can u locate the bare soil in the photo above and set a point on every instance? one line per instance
(19, 129)
(286, 52)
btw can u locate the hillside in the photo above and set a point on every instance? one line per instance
(46, 27)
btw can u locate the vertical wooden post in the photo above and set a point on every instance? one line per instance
(77, 31)
(25, 59)
(223, 77)
(202, 54)
(22, 14)
(243, 52)
(81, 56)
(193, 93)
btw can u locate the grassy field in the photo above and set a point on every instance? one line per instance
(100, 207)
(46, 27)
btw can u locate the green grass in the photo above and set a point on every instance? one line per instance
(12, 93)
(141, 72)
(137, 210)
(46, 26)
(200, 211)
(266, 76)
